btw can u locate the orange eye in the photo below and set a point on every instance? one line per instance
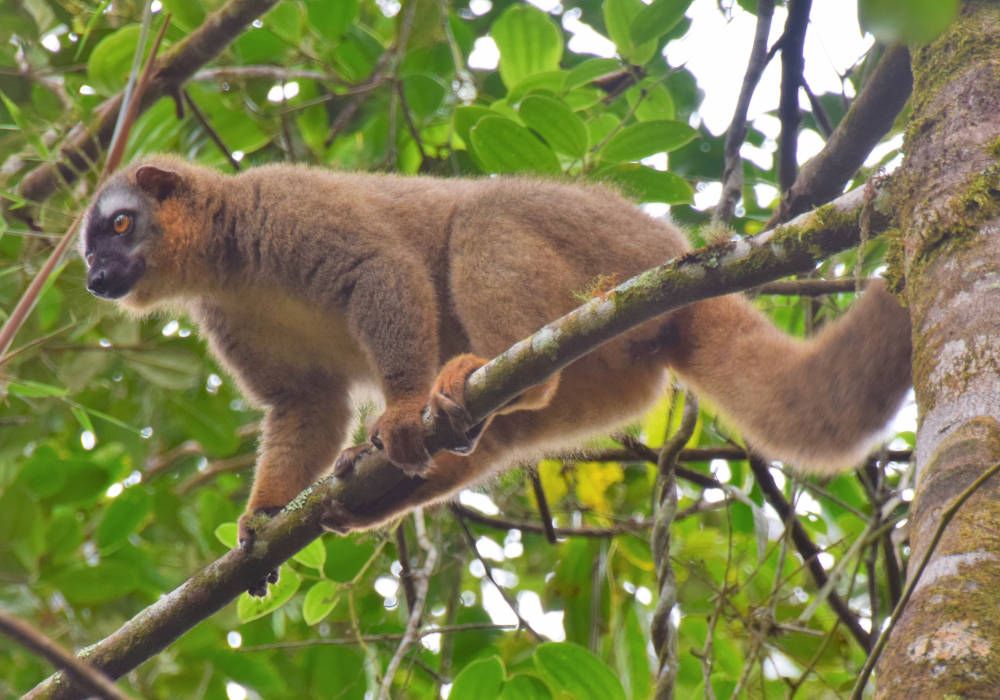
(122, 223)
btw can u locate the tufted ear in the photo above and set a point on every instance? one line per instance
(158, 182)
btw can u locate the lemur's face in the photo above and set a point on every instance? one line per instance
(115, 229)
(120, 232)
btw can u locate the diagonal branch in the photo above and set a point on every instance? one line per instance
(870, 117)
(377, 489)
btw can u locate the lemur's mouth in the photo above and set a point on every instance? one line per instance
(113, 278)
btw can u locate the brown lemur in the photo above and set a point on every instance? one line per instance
(309, 283)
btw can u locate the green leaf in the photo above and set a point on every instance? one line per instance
(319, 600)
(169, 368)
(251, 670)
(646, 184)
(184, 13)
(346, 556)
(618, 18)
(331, 19)
(910, 21)
(525, 687)
(111, 60)
(504, 146)
(466, 117)
(91, 585)
(123, 516)
(424, 94)
(529, 42)
(312, 555)
(563, 130)
(250, 608)
(482, 678)
(573, 670)
(630, 651)
(591, 69)
(30, 389)
(227, 534)
(656, 19)
(82, 417)
(646, 138)
(651, 100)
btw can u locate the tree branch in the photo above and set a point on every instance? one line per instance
(792, 44)
(376, 489)
(90, 678)
(870, 117)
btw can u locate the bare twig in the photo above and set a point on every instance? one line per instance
(634, 526)
(420, 584)
(544, 512)
(792, 43)
(406, 572)
(36, 642)
(471, 540)
(808, 550)
(732, 172)
(378, 638)
(213, 135)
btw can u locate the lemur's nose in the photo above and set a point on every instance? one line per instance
(97, 282)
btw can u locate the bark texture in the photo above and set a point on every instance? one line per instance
(947, 640)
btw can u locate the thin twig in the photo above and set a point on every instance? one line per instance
(413, 623)
(544, 512)
(732, 171)
(378, 638)
(406, 572)
(808, 550)
(633, 526)
(210, 130)
(36, 642)
(471, 540)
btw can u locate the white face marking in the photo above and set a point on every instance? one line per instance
(115, 200)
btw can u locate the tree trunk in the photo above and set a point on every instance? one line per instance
(947, 641)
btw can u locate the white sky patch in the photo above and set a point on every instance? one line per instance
(234, 639)
(585, 39)
(766, 194)
(496, 607)
(485, 54)
(155, 6)
(88, 440)
(826, 559)
(488, 549)
(115, 490)
(51, 40)
(87, 90)
(480, 7)
(833, 44)
(170, 328)
(707, 194)
(480, 501)
(549, 624)
(238, 156)
(547, 5)
(386, 586)
(810, 143)
(235, 691)
(720, 469)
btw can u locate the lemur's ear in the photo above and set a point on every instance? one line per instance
(158, 182)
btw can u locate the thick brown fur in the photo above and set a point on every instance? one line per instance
(309, 283)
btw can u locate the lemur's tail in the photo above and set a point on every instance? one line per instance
(820, 403)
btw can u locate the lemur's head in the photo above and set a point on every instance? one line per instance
(123, 239)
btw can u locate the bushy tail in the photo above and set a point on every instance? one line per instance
(818, 404)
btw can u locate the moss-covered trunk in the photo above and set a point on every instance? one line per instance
(947, 642)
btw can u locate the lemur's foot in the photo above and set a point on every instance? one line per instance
(448, 399)
(400, 432)
(247, 528)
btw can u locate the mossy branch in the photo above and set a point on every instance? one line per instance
(376, 489)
